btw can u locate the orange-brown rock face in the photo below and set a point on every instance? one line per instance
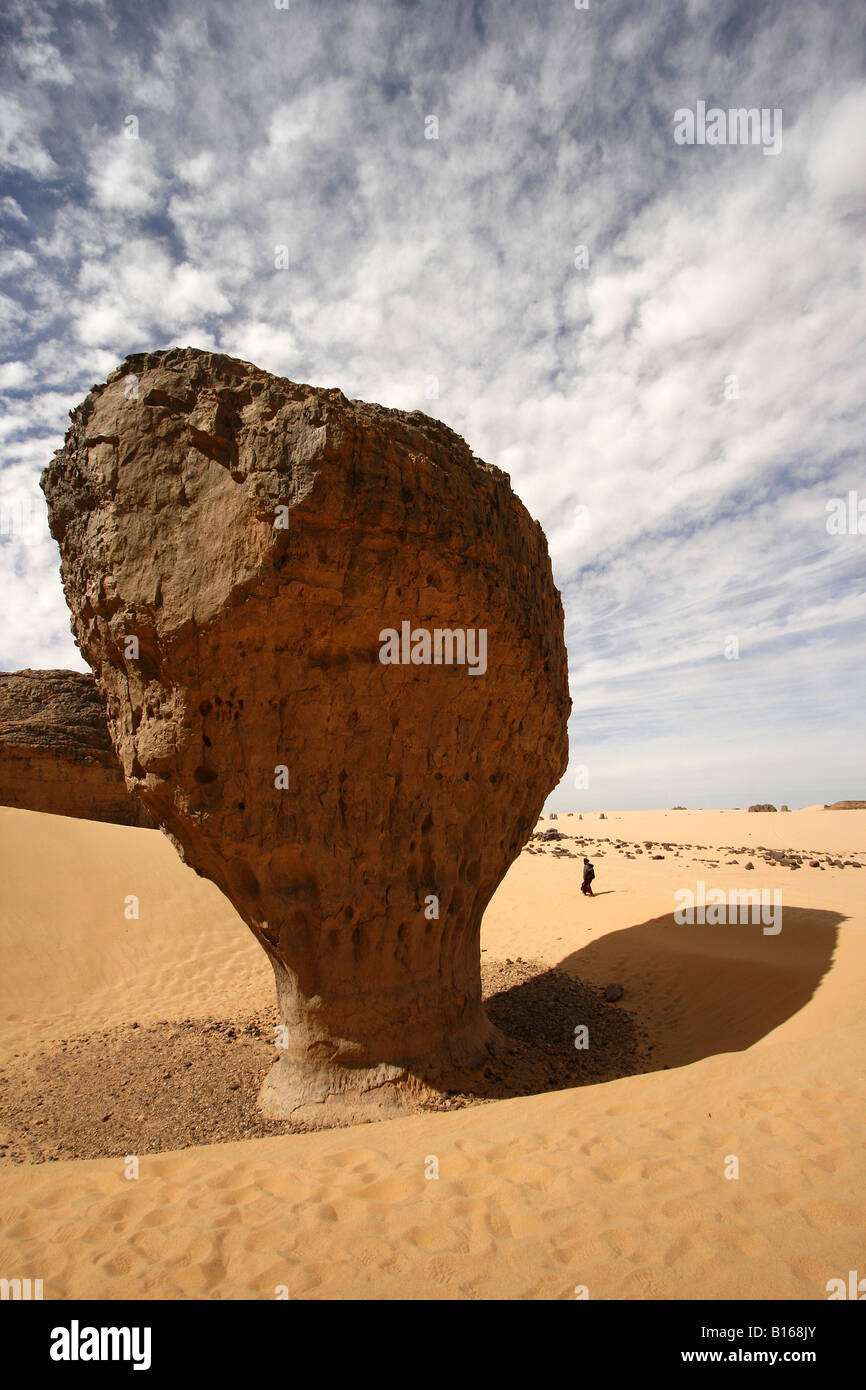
(55, 752)
(268, 581)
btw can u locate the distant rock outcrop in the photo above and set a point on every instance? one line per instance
(55, 751)
(333, 662)
(762, 806)
(845, 806)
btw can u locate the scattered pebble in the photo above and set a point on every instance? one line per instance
(178, 1084)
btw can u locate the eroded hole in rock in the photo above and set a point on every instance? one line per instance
(204, 774)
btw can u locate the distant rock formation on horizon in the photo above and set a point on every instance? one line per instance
(278, 590)
(762, 806)
(56, 755)
(845, 806)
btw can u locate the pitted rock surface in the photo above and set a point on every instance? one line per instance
(255, 537)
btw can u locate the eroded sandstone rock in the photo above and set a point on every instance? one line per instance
(55, 751)
(233, 547)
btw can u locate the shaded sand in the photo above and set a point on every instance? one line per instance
(618, 1186)
(179, 1083)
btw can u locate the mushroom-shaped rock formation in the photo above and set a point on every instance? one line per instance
(331, 653)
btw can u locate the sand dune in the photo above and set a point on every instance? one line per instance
(758, 1045)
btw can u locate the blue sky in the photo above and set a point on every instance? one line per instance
(677, 411)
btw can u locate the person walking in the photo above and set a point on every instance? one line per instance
(588, 876)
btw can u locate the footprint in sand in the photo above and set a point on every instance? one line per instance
(366, 1250)
(436, 1238)
(359, 1160)
(393, 1189)
(537, 1176)
(834, 1161)
(118, 1262)
(471, 1184)
(830, 1216)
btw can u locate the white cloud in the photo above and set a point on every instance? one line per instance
(11, 209)
(13, 375)
(602, 388)
(264, 344)
(837, 158)
(20, 145)
(123, 175)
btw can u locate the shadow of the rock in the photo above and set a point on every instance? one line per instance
(690, 991)
(697, 990)
(555, 1031)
